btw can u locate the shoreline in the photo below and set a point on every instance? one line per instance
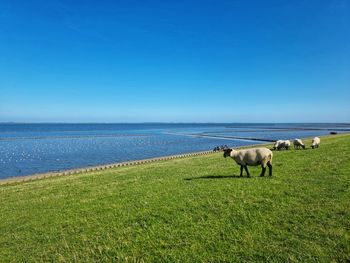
(39, 176)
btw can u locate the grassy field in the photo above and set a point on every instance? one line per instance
(194, 209)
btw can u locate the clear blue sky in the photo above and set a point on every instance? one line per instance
(175, 61)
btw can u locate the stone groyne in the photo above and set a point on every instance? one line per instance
(96, 168)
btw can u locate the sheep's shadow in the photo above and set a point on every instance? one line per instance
(216, 177)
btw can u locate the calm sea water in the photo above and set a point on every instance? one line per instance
(37, 148)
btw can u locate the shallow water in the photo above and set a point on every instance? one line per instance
(37, 148)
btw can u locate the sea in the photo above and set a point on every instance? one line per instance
(28, 148)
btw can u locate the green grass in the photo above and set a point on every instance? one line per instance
(186, 210)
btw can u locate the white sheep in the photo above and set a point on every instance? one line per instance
(287, 144)
(315, 142)
(253, 157)
(277, 144)
(282, 144)
(298, 143)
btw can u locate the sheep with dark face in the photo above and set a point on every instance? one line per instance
(278, 145)
(253, 157)
(282, 144)
(298, 143)
(315, 142)
(287, 144)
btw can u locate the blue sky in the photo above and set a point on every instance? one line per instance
(175, 61)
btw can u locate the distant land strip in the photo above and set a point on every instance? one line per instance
(279, 130)
(203, 135)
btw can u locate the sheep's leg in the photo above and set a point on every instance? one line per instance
(270, 168)
(241, 171)
(246, 169)
(263, 171)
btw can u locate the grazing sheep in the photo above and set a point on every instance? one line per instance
(287, 144)
(278, 145)
(282, 144)
(220, 148)
(315, 142)
(253, 157)
(298, 143)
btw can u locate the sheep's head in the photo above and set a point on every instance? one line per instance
(277, 143)
(313, 144)
(227, 152)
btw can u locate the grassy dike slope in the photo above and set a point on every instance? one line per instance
(186, 210)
